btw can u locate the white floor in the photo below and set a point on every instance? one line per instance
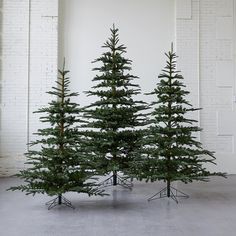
(210, 211)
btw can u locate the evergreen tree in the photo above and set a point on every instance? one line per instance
(115, 118)
(58, 163)
(170, 150)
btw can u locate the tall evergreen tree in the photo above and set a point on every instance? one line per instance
(58, 163)
(115, 117)
(171, 151)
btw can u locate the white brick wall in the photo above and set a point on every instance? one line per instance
(205, 39)
(28, 69)
(43, 56)
(205, 43)
(187, 43)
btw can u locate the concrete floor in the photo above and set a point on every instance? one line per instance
(210, 211)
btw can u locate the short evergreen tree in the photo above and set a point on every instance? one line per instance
(58, 163)
(170, 150)
(115, 118)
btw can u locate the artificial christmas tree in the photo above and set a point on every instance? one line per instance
(114, 120)
(170, 150)
(59, 163)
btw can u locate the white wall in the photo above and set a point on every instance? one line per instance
(147, 28)
(28, 69)
(205, 40)
(205, 35)
(206, 44)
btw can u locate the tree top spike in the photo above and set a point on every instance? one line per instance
(64, 62)
(172, 47)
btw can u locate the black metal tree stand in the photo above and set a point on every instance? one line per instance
(59, 200)
(169, 192)
(115, 180)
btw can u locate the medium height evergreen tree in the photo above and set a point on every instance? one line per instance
(114, 120)
(59, 163)
(171, 152)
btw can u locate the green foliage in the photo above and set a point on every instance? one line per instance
(170, 149)
(115, 118)
(58, 163)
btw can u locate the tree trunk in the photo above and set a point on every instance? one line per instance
(59, 199)
(114, 178)
(168, 188)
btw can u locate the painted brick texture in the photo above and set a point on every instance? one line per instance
(205, 39)
(28, 69)
(205, 43)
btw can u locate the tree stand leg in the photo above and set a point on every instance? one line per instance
(169, 192)
(59, 200)
(115, 180)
